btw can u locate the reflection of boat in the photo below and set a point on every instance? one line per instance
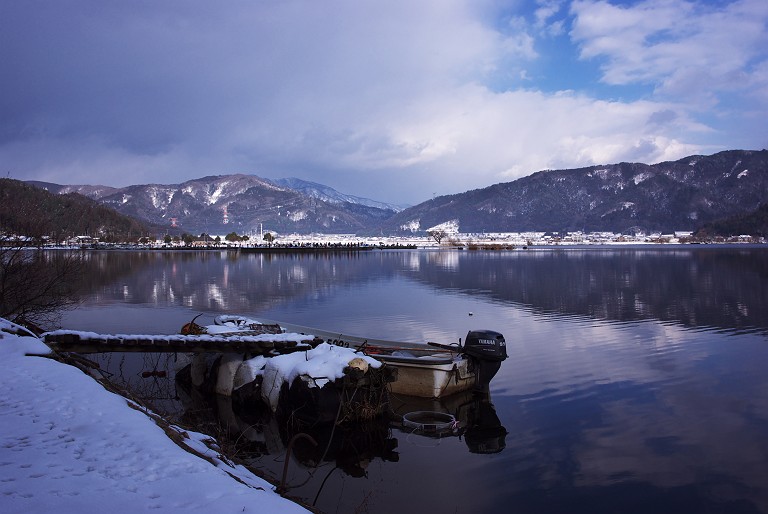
(267, 441)
(470, 415)
(428, 370)
(262, 439)
(484, 432)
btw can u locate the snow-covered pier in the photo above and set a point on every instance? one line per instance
(254, 343)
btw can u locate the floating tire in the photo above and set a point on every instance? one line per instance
(430, 423)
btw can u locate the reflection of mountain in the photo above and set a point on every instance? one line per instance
(221, 281)
(713, 287)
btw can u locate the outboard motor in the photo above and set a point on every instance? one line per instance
(488, 349)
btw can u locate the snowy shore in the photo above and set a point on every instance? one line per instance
(69, 445)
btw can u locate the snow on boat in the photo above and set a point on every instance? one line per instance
(427, 370)
(316, 383)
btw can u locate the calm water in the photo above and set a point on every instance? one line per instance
(636, 378)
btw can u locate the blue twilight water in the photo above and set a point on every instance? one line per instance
(636, 378)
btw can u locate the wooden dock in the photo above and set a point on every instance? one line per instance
(256, 343)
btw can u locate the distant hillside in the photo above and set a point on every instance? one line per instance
(754, 223)
(625, 197)
(93, 192)
(680, 195)
(30, 211)
(330, 195)
(240, 203)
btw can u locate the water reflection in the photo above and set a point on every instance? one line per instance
(702, 287)
(261, 439)
(477, 422)
(616, 421)
(317, 450)
(635, 380)
(149, 377)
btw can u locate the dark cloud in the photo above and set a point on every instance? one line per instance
(368, 96)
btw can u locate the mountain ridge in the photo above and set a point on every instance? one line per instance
(624, 197)
(237, 202)
(328, 194)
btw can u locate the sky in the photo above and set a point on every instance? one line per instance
(397, 101)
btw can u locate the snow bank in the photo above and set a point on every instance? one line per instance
(68, 445)
(18, 341)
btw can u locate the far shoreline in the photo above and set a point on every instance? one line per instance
(291, 249)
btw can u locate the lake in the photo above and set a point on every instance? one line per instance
(636, 379)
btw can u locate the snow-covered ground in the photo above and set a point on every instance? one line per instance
(69, 445)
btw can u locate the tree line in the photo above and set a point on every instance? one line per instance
(36, 285)
(35, 213)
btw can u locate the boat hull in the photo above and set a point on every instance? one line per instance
(422, 370)
(430, 378)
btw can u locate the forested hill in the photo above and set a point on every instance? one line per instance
(26, 210)
(753, 223)
(626, 197)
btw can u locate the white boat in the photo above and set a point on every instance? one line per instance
(427, 370)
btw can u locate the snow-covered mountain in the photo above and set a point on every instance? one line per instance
(625, 197)
(239, 203)
(330, 195)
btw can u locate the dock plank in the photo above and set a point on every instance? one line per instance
(236, 342)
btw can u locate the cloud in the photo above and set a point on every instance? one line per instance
(394, 100)
(687, 50)
(545, 11)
